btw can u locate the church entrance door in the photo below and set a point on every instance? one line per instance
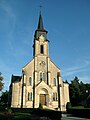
(43, 99)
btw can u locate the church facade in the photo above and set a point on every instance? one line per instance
(40, 82)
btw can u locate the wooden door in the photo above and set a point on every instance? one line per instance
(42, 99)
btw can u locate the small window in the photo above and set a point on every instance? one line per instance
(41, 49)
(29, 96)
(54, 82)
(42, 76)
(54, 96)
(30, 81)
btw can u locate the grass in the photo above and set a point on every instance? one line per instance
(79, 107)
(21, 116)
(17, 116)
(29, 114)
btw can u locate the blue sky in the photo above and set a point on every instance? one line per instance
(68, 26)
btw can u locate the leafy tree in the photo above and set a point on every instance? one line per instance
(1, 81)
(79, 92)
(74, 91)
(83, 94)
(4, 98)
(65, 81)
(87, 95)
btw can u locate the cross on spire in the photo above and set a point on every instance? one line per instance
(40, 22)
(40, 28)
(40, 9)
(40, 5)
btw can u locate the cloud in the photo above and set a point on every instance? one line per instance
(85, 78)
(81, 70)
(5, 70)
(73, 70)
(87, 62)
(10, 21)
(5, 6)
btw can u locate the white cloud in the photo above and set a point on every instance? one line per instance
(86, 79)
(81, 70)
(4, 5)
(11, 21)
(73, 70)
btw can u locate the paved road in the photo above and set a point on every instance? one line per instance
(64, 117)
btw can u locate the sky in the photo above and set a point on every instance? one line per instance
(68, 26)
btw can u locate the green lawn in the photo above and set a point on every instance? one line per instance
(79, 107)
(29, 114)
(18, 116)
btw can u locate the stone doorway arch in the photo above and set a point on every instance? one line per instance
(43, 97)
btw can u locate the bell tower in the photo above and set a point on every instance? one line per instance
(40, 46)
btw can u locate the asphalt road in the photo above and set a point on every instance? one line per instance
(64, 117)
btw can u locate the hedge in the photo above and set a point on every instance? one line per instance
(84, 112)
(53, 115)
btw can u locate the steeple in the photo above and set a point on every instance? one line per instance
(40, 37)
(40, 23)
(40, 29)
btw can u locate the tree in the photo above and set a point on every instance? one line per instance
(79, 92)
(1, 81)
(74, 91)
(83, 94)
(65, 81)
(4, 98)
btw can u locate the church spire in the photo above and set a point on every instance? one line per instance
(40, 29)
(40, 22)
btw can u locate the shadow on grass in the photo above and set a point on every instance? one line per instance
(29, 114)
(17, 116)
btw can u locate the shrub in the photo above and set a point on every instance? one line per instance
(44, 118)
(21, 116)
(68, 105)
(9, 110)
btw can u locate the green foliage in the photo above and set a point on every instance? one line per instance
(65, 81)
(2, 108)
(68, 105)
(74, 91)
(44, 118)
(9, 110)
(1, 81)
(4, 98)
(22, 116)
(78, 107)
(78, 94)
(79, 111)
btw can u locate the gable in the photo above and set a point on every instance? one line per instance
(53, 66)
(43, 86)
(29, 66)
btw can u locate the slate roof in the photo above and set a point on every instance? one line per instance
(40, 24)
(16, 78)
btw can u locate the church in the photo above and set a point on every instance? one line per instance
(41, 83)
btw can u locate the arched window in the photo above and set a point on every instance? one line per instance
(41, 49)
(29, 96)
(54, 81)
(42, 76)
(30, 81)
(55, 96)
